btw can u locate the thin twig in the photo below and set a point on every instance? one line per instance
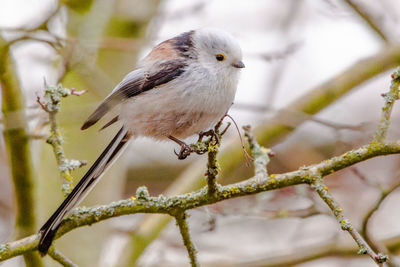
(60, 258)
(322, 190)
(212, 163)
(368, 18)
(384, 194)
(260, 154)
(390, 98)
(376, 245)
(51, 105)
(298, 115)
(181, 221)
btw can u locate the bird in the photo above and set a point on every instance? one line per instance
(184, 86)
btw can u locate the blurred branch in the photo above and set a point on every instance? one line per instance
(330, 248)
(293, 9)
(59, 257)
(41, 26)
(368, 18)
(18, 150)
(52, 97)
(327, 93)
(287, 51)
(379, 245)
(302, 116)
(384, 194)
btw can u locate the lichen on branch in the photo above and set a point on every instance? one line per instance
(51, 103)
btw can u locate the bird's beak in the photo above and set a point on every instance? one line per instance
(238, 65)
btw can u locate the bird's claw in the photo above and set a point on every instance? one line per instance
(185, 151)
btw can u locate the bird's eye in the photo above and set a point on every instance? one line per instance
(220, 57)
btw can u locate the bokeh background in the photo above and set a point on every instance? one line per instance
(290, 48)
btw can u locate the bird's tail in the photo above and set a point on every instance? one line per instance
(85, 185)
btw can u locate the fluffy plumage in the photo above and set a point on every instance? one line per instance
(181, 88)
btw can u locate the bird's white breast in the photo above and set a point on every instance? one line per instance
(189, 104)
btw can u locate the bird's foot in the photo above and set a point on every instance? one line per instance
(185, 151)
(185, 148)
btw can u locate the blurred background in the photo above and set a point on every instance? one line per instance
(291, 48)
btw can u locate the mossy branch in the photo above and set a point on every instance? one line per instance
(181, 221)
(143, 203)
(390, 97)
(323, 191)
(51, 104)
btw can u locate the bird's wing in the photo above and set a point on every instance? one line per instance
(136, 82)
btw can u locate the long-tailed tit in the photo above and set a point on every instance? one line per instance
(184, 86)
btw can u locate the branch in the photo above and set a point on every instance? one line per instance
(212, 163)
(377, 245)
(327, 93)
(345, 224)
(260, 154)
(184, 229)
(18, 149)
(52, 96)
(390, 98)
(368, 18)
(59, 257)
(143, 203)
(306, 253)
(384, 194)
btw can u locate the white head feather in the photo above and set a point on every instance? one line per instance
(210, 42)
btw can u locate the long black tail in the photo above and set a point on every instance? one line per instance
(85, 185)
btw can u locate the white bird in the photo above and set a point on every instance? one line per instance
(184, 86)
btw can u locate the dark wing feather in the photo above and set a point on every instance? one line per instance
(132, 82)
(112, 121)
(136, 82)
